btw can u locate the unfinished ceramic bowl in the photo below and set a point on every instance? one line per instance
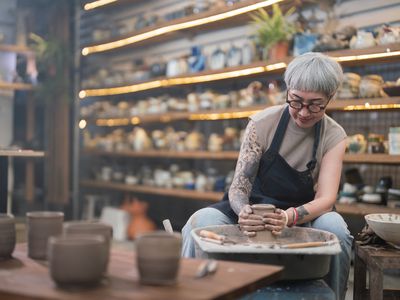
(76, 260)
(265, 235)
(91, 227)
(42, 225)
(386, 226)
(7, 235)
(158, 257)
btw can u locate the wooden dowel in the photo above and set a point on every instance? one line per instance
(305, 245)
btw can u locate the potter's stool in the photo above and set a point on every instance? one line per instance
(375, 260)
(294, 290)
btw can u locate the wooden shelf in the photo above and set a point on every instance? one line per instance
(186, 26)
(362, 209)
(233, 155)
(188, 194)
(352, 209)
(222, 155)
(240, 113)
(15, 49)
(364, 104)
(372, 158)
(22, 153)
(346, 57)
(218, 114)
(16, 86)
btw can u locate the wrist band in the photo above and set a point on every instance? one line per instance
(286, 217)
(296, 216)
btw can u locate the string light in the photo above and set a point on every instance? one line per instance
(98, 3)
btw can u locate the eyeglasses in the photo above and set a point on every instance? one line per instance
(312, 107)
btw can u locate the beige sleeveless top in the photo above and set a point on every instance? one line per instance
(296, 147)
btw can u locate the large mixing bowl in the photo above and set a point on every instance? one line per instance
(299, 263)
(386, 226)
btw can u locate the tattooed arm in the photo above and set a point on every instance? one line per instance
(245, 173)
(246, 169)
(328, 185)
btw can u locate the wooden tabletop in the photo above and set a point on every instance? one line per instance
(24, 278)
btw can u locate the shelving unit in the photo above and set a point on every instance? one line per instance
(27, 154)
(346, 57)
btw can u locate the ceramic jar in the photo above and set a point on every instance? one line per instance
(76, 259)
(74, 228)
(7, 235)
(158, 257)
(264, 236)
(42, 225)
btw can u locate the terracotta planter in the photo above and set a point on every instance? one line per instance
(158, 257)
(264, 236)
(7, 236)
(278, 51)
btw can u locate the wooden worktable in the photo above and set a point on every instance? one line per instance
(24, 278)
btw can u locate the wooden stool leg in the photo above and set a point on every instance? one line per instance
(375, 281)
(360, 277)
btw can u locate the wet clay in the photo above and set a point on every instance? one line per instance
(266, 235)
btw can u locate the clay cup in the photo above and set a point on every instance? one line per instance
(7, 235)
(266, 235)
(41, 226)
(89, 228)
(158, 257)
(76, 259)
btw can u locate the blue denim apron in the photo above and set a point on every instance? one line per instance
(277, 182)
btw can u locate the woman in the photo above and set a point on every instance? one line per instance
(291, 156)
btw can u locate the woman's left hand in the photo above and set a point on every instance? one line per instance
(275, 221)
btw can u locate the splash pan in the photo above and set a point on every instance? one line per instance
(299, 263)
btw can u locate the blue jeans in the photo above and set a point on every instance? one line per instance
(331, 221)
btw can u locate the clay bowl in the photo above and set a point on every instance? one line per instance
(392, 91)
(88, 228)
(265, 235)
(7, 235)
(158, 257)
(386, 226)
(76, 260)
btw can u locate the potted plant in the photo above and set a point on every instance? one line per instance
(273, 31)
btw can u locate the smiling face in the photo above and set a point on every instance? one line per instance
(303, 117)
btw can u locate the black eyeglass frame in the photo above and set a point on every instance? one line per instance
(302, 105)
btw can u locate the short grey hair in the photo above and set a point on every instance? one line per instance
(314, 72)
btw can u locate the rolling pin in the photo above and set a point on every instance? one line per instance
(305, 245)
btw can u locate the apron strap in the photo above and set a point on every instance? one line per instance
(313, 162)
(280, 131)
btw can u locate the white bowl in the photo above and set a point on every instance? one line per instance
(386, 226)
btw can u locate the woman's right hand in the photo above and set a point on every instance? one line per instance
(249, 222)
